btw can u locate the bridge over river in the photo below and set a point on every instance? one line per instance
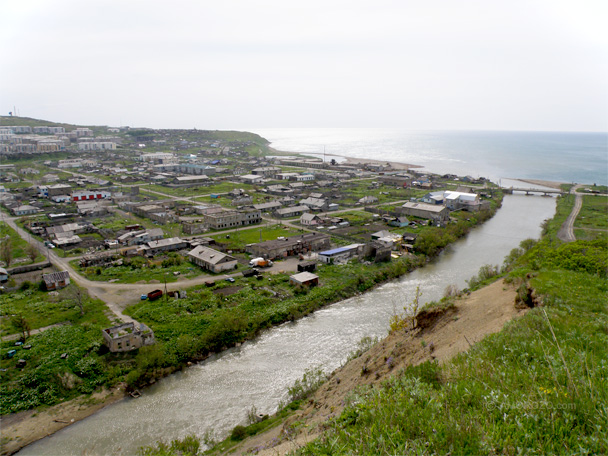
(529, 191)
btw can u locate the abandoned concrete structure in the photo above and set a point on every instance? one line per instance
(128, 336)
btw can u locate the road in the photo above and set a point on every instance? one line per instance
(566, 232)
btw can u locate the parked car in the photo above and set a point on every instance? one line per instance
(230, 279)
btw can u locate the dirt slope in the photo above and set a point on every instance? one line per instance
(441, 336)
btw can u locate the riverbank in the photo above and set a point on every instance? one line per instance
(442, 334)
(21, 429)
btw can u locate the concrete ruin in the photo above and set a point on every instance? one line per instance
(128, 337)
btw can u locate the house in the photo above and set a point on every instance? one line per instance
(211, 259)
(128, 337)
(24, 210)
(466, 201)
(268, 207)
(251, 179)
(267, 171)
(56, 280)
(399, 222)
(309, 219)
(293, 245)
(304, 279)
(315, 204)
(341, 254)
(292, 211)
(368, 200)
(434, 198)
(425, 211)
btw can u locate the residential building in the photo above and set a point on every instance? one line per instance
(212, 260)
(315, 204)
(97, 145)
(292, 211)
(56, 280)
(24, 210)
(309, 219)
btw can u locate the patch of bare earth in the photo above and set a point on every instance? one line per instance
(440, 335)
(21, 429)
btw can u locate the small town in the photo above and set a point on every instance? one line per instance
(128, 254)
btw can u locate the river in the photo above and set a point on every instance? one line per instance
(215, 395)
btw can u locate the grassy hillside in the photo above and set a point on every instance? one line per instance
(540, 386)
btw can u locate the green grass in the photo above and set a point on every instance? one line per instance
(138, 269)
(263, 232)
(537, 387)
(47, 378)
(19, 247)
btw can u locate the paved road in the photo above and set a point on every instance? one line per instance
(566, 232)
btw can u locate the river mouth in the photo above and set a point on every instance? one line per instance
(215, 395)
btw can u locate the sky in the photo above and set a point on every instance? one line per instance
(416, 65)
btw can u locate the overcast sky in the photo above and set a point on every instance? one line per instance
(504, 64)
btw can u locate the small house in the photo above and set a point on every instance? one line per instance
(56, 280)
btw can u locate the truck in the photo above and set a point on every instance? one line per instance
(155, 295)
(260, 263)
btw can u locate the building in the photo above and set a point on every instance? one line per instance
(128, 337)
(369, 199)
(309, 219)
(97, 145)
(212, 260)
(226, 218)
(268, 207)
(397, 180)
(24, 210)
(56, 280)
(267, 171)
(293, 245)
(315, 204)
(58, 189)
(425, 211)
(164, 245)
(341, 254)
(251, 179)
(90, 195)
(292, 211)
(304, 279)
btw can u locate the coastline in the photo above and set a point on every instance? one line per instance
(23, 428)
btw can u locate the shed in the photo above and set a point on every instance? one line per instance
(56, 280)
(306, 279)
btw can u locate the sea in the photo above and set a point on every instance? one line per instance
(567, 157)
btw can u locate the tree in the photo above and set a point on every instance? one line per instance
(22, 325)
(6, 253)
(79, 297)
(32, 252)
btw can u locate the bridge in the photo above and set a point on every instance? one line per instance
(528, 191)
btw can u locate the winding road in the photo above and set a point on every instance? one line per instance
(566, 232)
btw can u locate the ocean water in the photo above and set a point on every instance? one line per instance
(555, 156)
